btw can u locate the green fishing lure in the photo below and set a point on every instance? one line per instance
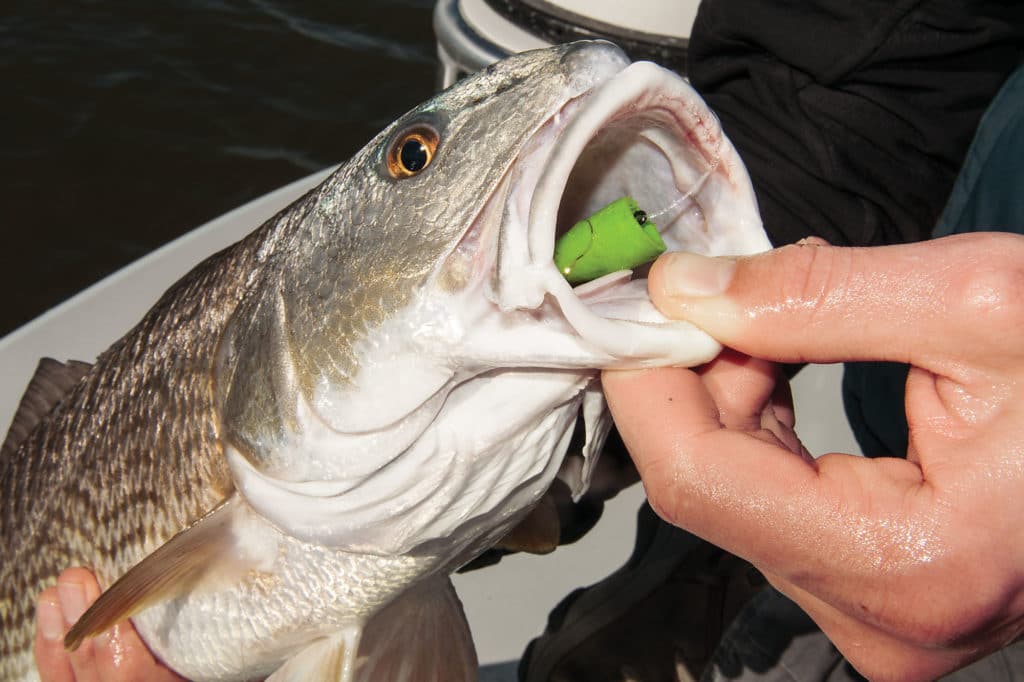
(618, 237)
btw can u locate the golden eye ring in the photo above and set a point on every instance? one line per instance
(412, 151)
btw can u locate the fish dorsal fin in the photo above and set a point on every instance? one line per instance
(422, 636)
(538, 533)
(52, 381)
(172, 569)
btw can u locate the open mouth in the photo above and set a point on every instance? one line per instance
(642, 133)
(636, 135)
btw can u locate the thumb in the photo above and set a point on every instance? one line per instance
(919, 303)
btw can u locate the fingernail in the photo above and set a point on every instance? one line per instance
(72, 601)
(688, 274)
(50, 620)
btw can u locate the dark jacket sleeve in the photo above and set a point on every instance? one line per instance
(852, 117)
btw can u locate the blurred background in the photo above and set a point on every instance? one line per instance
(128, 123)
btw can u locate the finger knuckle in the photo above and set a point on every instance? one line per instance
(991, 290)
(810, 276)
(664, 503)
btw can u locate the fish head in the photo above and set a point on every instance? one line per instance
(408, 366)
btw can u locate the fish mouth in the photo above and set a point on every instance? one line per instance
(642, 132)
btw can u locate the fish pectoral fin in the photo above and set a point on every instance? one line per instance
(538, 533)
(422, 636)
(172, 569)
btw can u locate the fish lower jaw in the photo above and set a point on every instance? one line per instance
(495, 445)
(608, 323)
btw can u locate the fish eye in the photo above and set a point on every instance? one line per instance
(412, 151)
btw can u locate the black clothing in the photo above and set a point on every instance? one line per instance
(852, 117)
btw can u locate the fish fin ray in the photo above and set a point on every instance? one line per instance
(50, 384)
(330, 659)
(538, 533)
(422, 636)
(171, 569)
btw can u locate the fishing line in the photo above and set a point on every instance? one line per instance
(675, 208)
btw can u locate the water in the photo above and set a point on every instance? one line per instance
(129, 122)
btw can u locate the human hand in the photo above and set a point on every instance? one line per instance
(912, 567)
(117, 655)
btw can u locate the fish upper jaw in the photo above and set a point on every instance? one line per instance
(644, 133)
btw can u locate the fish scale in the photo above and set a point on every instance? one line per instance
(99, 486)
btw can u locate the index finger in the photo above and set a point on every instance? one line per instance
(48, 649)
